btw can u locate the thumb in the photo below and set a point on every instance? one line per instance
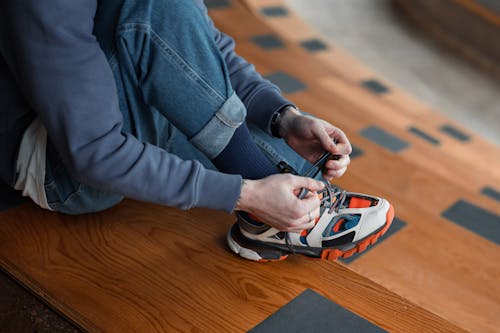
(308, 183)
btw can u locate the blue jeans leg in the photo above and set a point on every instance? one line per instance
(167, 54)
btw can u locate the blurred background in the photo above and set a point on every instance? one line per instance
(445, 56)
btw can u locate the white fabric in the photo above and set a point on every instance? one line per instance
(31, 164)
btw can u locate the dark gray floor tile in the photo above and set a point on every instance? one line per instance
(287, 83)
(375, 86)
(491, 192)
(384, 139)
(274, 11)
(314, 45)
(268, 42)
(454, 133)
(217, 4)
(423, 135)
(311, 312)
(477, 219)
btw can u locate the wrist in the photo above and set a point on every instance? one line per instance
(287, 121)
(245, 199)
(277, 119)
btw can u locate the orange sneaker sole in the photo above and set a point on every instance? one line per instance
(333, 254)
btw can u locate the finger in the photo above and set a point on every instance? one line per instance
(310, 203)
(338, 164)
(302, 226)
(306, 222)
(298, 182)
(309, 225)
(339, 136)
(342, 146)
(324, 138)
(306, 226)
(340, 173)
(334, 173)
(327, 177)
(342, 149)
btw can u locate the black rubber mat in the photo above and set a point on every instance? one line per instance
(454, 133)
(287, 83)
(274, 11)
(215, 4)
(384, 139)
(491, 192)
(268, 42)
(477, 219)
(311, 312)
(423, 135)
(375, 86)
(314, 45)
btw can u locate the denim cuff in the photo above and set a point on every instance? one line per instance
(215, 136)
(263, 105)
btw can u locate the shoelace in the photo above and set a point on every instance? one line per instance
(332, 197)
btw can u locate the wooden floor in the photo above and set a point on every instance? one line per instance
(133, 268)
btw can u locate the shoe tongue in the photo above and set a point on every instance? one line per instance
(329, 198)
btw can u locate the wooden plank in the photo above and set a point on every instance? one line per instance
(144, 268)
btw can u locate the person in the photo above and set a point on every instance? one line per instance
(105, 99)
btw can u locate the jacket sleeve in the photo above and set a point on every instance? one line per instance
(261, 97)
(64, 75)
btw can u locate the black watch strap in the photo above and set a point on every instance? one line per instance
(276, 121)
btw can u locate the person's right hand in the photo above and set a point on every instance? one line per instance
(273, 200)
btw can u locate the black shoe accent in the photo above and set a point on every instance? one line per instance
(342, 240)
(271, 251)
(265, 251)
(281, 235)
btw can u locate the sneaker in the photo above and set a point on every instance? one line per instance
(348, 223)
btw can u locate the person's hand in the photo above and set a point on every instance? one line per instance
(311, 137)
(273, 200)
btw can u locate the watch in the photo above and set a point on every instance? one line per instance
(276, 121)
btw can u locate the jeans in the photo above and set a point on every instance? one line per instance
(174, 92)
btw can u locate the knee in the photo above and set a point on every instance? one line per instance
(177, 15)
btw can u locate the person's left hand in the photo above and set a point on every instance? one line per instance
(311, 137)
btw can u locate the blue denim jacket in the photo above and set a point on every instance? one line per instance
(52, 66)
